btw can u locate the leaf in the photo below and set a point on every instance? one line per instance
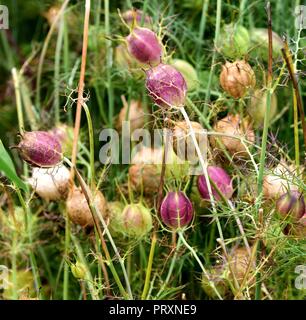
(8, 168)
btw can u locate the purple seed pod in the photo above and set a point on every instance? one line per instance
(143, 45)
(291, 204)
(176, 210)
(166, 86)
(40, 149)
(221, 179)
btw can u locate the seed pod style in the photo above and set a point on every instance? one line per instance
(257, 107)
(189, 73)
(136, 116)
(221, 179)
(176, 210)
(166, 86)
(78, 209)
(291, 205)
(136, 220)
(50, 183)
(144, 45)
(130, 16)
(232, 125)
(236, 78)
(40, 149)
(183, 144)
(234, 41)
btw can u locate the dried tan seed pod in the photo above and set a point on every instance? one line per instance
(145, 177)
(232, 125)
(240, 264)
(136, 116)
(279, 181)
(78, 209)
(236, 78)
(183, 144)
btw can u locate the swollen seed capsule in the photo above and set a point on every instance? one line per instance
(143, 45)
(236, 78)
(166, 86)
(221, 179)
(176, 210)
(40, 149)
(291, 204)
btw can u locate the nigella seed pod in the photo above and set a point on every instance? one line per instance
(176, 210)
(78, 270)
(144, 45)
(234, 41)
(166, 86)
(136, 220)
(78, 209)
(50, 183)
(221, 179)
(236, 78)
(291, 204)
(40, 149)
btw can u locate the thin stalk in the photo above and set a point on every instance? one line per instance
(14, 266)
(170, 271)
(80, 100)
(149, 268)
(66, 266)
(18, 101)
(109, 62)
(264, 144)
(88, 276)
(181, 236)
(202, 31)
(204, 166)
(96, 213)
(212, 68)
(29, 233)
(57, 62)
(91, 146)
(44, 51)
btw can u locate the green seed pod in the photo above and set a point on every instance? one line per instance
(78, 270)
(259, 44)
(115, 210)
(136, 220)
(216, 275)
(188, 72)
(257, 107)
(234, 41)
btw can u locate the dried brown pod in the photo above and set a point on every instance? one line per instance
(236, 78)
(232, 125)
(279, 181)
(183, 144)
(78, 209)
(136, 116)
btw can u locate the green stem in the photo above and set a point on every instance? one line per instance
(212, 68)
(66, 265)
(14, 267)
(109, 57)
(149, 268)
(91, 146)
(58, 50)
(181, 236)
(170, 271)
(202, 30)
